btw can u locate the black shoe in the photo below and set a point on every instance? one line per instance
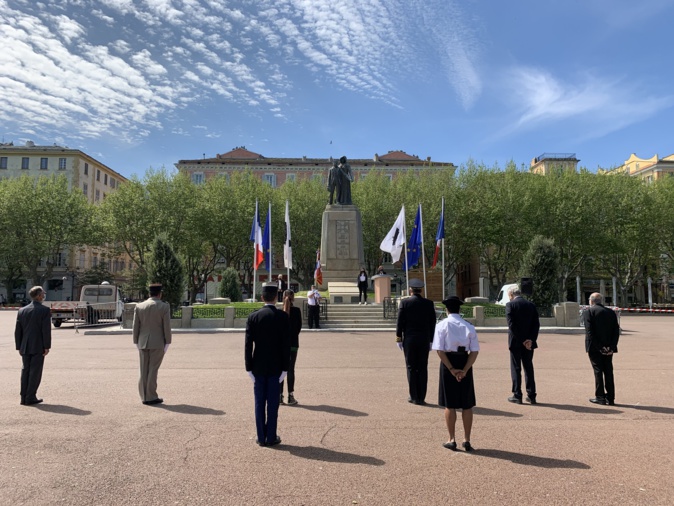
(420, 403)
(34, 401)
(611, 403)
(531, 401)
(257, 441)
(158, 400)
(598, 400)
(275, 442)
(467, 447)
(515, 400)
(23, 401)
(410, 400)
(450, 445)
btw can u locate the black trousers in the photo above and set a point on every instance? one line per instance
(291, 373)
(521, 358)
(31, 375)
(416, 358)
(314, 316)
(603, 375)
(362, 292)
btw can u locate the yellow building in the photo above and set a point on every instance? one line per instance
(550, 163)
(649, 169)
(82, 171)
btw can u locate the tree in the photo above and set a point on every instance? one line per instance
(165, 268)
(230, 286)
(541, 264)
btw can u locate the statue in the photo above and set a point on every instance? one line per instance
(340, 178)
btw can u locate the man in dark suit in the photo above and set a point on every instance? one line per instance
(602, 332)
(414, 331)
(33, 341)
(267, 357)
(523, 327)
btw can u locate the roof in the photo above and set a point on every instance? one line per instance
(398, 155)
(240, 153)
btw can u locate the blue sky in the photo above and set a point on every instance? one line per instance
(144, 83)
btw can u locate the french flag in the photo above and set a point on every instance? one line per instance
(440, 235)
(256, 237)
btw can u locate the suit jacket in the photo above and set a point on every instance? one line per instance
(601, 328)
(267, 345)
(416, 319)
(32, 333)
(152, 324)
(523, 322)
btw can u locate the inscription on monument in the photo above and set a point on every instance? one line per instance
(343, 246)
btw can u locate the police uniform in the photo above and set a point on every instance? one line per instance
(456, 337)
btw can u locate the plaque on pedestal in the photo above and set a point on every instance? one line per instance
(341, 243)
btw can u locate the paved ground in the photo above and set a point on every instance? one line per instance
(353, 439)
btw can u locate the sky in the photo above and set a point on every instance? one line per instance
(141, 84)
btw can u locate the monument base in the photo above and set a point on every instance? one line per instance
(341, 244)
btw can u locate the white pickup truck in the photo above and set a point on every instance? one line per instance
(97, 304)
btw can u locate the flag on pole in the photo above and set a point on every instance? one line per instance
(440, 235)
(266, 243)
(414, 246)
(256, 237)
(394, 240)
(318, 274)
(287, 248)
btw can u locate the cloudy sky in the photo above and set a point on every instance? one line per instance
(145, 83)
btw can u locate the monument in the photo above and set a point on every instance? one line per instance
(342, 230)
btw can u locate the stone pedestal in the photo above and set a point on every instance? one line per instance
(341, 244)
(382, 287)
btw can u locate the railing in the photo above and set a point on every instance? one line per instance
(390, 306)
(493, 312)
(322, 309)
(177, 313)
(208, 312)
(244, 312)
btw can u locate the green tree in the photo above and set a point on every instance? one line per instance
(166, 268)
(230, 286)
(541, 264)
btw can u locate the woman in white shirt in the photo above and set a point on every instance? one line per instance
(455, 340)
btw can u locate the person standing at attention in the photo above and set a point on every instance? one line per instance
(414, 331)
(152, 337)
(523, 327)
(295, 317)
(282, 286)
(362, 286)
(267, 358)
(602, 332)
(455, 340)
(32, 336)
(313, 301)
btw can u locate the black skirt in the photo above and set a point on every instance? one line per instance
(454, 394)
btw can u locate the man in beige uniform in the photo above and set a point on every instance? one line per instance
(152, 336)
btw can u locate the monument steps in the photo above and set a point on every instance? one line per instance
(345, 316)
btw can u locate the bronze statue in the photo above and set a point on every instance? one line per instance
(340, 178)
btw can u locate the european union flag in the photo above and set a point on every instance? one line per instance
(414, 245)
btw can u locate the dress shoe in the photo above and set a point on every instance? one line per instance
(515, 400)
(420, 403)
(158, 400)
(610, 403)
(410, 400)
(257, 441)
(23, 401)
(531, 401)
(275, 442)
(598, 400)
(34, 401)
(466, 445)
(450, 445)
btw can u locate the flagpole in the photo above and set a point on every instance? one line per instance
(443, 252)
(289, 241)
(256, 224)
(269, 258)
(423, 255)
(407, 277)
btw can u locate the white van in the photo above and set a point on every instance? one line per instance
(502, 298)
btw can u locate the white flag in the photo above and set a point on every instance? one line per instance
(287, 248)
(394, 240)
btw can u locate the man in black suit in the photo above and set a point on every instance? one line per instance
(602, 332)
(523, 327)
(267, 356)
(33, 341)
(414, 331)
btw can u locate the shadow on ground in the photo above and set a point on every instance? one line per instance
(187, 409)
(530, 460)
(580, 409)
(335, 410)
(325, 455)
(60, 409)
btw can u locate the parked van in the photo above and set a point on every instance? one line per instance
(502, 297)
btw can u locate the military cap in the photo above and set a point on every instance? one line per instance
(416, 283)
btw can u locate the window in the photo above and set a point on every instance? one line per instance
(81, 263)
(112, 182)
(86, 169)
(94, 263)
(25, 161)
(98, 175)
(105, 179)
(85, 189)
(290, 177)
(317, 177)
(390, 177)
(3, 162)
(44, 163)
(198, 177)
(270, 178)
(98, 195)
(62, 164)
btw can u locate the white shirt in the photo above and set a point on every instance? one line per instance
(453, 332)
(313, 297)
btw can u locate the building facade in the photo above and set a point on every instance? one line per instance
(649, 169)
(277, 171)
(93, 178)
(550, 163)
